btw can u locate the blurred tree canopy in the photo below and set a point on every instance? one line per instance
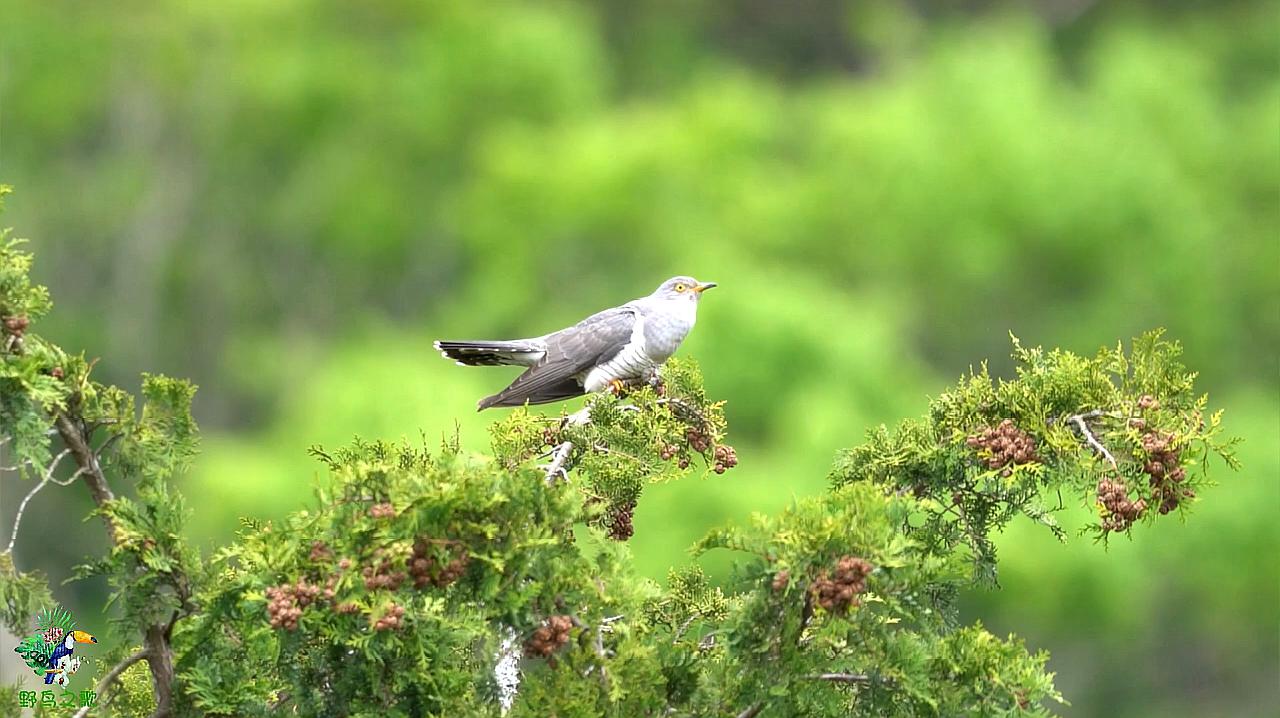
(255, 194)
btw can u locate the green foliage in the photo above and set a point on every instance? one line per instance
(289, 200)
(1070, 409)
(22, 594)
(650, 436)
(149, 565)
(436, 582)
(132, 694)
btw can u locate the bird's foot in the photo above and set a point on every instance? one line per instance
(616, 387)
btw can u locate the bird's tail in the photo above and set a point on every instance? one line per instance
(521, 352)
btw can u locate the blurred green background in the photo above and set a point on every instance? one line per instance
(288, 200)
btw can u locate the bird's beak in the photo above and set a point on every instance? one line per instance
(704, 287)
(82, 637)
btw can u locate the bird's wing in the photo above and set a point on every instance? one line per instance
(571, 351)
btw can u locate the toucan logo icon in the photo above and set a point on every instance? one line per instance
(50, 651)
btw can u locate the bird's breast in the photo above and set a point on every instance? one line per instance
(662, 333)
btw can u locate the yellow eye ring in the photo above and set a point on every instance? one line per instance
(680, 287)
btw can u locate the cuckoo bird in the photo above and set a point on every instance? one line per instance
(606, 350)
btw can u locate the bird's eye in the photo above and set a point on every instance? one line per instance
(680, 286)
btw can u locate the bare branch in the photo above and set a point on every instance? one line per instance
(558, 458)
(683, 627)
(506, 670)
(753, 710)
(106, 445)
(598, 644)
(112, 675)
(22, 507)
(840, 677)
(70, 479)
(1079, 421)
(683, 410)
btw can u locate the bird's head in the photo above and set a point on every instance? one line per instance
(682, 288)
(81, 637)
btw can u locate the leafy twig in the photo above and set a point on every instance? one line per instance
(112, 675)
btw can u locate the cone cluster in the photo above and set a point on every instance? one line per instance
(382, 511)
(320, 551)
(53, 634)
(620, 520)
(1004, 445)
(1119, 513)
(780, 581)
(726, 458)
(1164, 470)
(550, 436)
(287, 601)
(697, 438)
(382, 573)
(16, 325)
(428, 569)
(391, 620)
(838, 591)
(549, 637)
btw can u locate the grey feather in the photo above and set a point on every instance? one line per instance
(467, 352)
(569, 353)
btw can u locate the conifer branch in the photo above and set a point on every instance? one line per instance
(76, 441)
(159, 652)
(112, 675)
